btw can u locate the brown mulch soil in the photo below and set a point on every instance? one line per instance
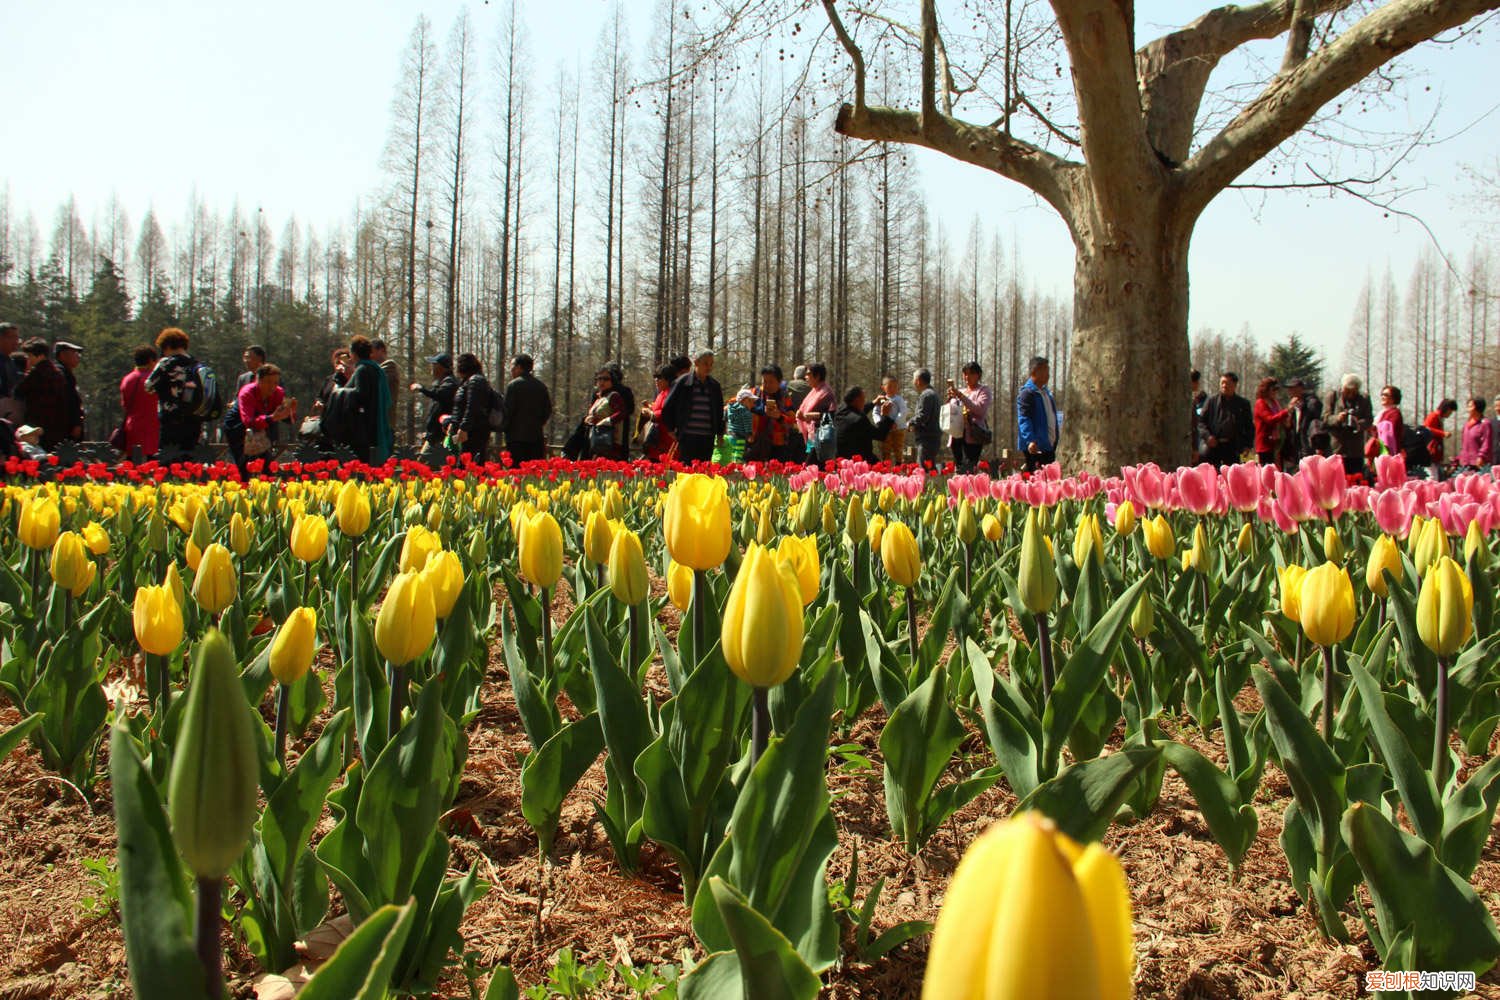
(1200, 933)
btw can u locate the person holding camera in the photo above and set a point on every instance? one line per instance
(1348, 417)
(859, 424)
(976, 400)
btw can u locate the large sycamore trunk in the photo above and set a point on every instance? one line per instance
(1128, 397)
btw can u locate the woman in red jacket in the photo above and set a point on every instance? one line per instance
(142, 422)
(1269, 416)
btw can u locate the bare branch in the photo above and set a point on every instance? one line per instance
(929, 64)
(855, 55)
(1299, 38)
(1049, 175)
(1290, 101)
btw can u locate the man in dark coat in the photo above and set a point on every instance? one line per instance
(528, 407)
(1347, 417)
(1228, 423)
(444, 388)
(469, 427)
(924, 422)
(694, 411)
(43, 391)
(69, 356)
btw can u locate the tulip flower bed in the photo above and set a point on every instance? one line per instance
(631, 732)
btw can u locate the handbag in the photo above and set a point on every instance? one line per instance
(117, 439)
(257, 443)
(601, 439)
(826, 440)
(980, 432)
(951, 418)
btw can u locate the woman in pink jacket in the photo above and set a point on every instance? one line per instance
(142, 422)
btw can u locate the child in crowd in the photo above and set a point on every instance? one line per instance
(738, 421)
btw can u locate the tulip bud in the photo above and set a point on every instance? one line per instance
(239, 535)
(1432, 546)
(968, 525)
(1088, 541)
(1476, 546)
(444, 576)
(310, 537)
(96, 539)
(419, 545)
(992, 528)
(156, 533)
(808, 511)
(875, 532)
(407, 621)
(158, 619)
(84, 582)
(435, 517)
(900, 555)
(1031, 913)
(1289, 581)
(1384, 557)
(627, 568)
(764, 530)
(479, 549)
(855, 528)
(1160, 541)
(352, 510)
(215, 778)
(541, 551)
(762, 630)
(614, 503)
(1327, 604)
(69, 560)
(680, 586)
(216, 584)
(1125, 519)
(172, 580)
(598, 536)
(414, 516)
(1038, 573)
(695, 522)
(1333, 545)
(1245, 544)
(1445, 608)
(830, 518)
(801, 554)
(1143, 618)
(293, 648)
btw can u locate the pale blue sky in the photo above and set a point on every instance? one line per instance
(286, 104)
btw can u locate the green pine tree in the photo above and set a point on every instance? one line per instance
(1293, 358)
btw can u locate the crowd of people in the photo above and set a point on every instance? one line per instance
(1347, 424)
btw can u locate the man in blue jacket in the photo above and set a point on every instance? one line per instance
(1036, 417)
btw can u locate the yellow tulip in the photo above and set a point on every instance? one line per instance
(802, 555)
(1327, 604)
(598, 536)
(1414, 534)
(830, 518)
(96, 539)
(614, 503)
(419, 546)
(435, 517)
(627, 568)
(1088, 541)
(764, 530)
(900, 555)
(1476, 546)
(1125, 520)
(680, 586)
(968, 525)
(193, 555)
(992, 528)
(1445, 608)
(541, 551)
(293, 648)
(352, 510)
(1385, 556)
(203, 532)
(445, 578)
(887, 499)
(310, 537)
(855, 527)
(216, 584)
(1032, 914)
(1143, 618)
(875, 531)
(407, 621)
(763, 621)
(157, 619)
(1245, 544)
(1160, 541)
(1432, 546)
(1038, 573)
(69, 560)
(1289, 580)
(808, 511)
(239, 535)
(156, 533)
(1333, 545)
(84, 582)
(41, 521)
(696, 521)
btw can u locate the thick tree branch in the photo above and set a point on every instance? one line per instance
(929, 64)
(1047, 174)
(1174, 69)
(1098, 36)
(1299, 38)
(1291, 100)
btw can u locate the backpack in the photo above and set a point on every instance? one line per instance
(341, 415)
(210, 404)
(1414, 447)
(497, 411)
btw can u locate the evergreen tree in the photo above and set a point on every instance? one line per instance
(1293, 358)
(100, 324)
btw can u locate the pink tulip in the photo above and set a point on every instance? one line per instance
(1325, 480)
(1390, 471)
(1199, 487)
(1242, 483)
(1393, 510)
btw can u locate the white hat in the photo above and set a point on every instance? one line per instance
(26, 430)
(1351, 381)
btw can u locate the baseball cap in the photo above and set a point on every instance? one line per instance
(445, 359)
(67, 345)
(1295, 383)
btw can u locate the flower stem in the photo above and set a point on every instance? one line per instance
(1440, 736)
(397, 701)
(700, 614)
(283, 710)
(1327, 725)
(637, 616)
(547, 632)
(760, 725)
(911, 623)
(1044, 650)
(206, 935)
